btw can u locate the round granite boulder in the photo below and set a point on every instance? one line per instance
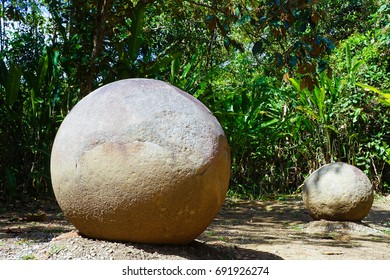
(338, 192)
(140, 160)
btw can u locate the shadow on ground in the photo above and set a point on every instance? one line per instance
(197, 250)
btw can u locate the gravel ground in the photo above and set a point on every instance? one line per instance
(275, 229)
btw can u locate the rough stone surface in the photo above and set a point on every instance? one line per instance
(338, 192)
(140, 160)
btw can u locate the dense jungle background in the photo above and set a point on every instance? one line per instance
(295, 84)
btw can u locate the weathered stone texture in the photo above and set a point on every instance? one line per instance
(338, 192)
(140, 160)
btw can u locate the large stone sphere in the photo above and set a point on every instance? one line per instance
(140, 160)
(338, 192)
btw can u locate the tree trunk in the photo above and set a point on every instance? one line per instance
(100, 24)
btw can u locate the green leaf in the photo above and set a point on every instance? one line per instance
(164, 62)
(349, 58)
(320, 100)
(257, 47)
(268, 123)
(244, 19)
(308, 111)
(369, 88)
(279, 59)
(385, 98)
(10, 182)
(236, 104)
(56, 54)
(175, 65)
(186, 70)
(245, 102)
(136, 29)
(32, 80)
(43, 66)
(13, 83)
(331, 127)
(382, 8)
(295, 83)
(357, 65)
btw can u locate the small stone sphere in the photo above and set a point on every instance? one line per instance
(338, 192)
(140, 160)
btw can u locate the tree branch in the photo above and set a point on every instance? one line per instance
(100, 25)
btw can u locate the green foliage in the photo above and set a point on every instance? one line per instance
(252, 112)
(288, 34)
(30, 119)
(365, 59)
(279, 134)
(10, 183)
(347, 17)
(11, 82)
(231, 55)
(384, 97)
(370, 50)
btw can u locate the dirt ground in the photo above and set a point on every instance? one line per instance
(273, 229)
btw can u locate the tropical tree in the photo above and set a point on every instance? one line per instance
(279, 75)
